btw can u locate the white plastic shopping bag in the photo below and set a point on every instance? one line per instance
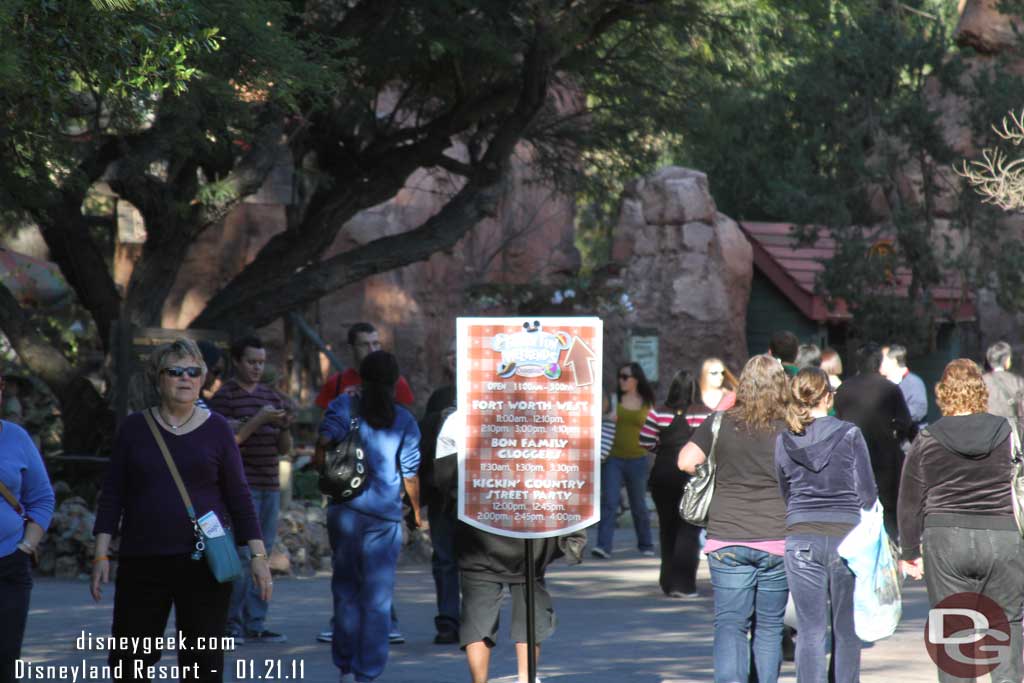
(877, 604)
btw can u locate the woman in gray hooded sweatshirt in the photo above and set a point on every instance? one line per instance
(824, 472)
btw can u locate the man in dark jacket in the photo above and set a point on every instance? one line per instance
(442, 516)
(877, 406)
(489, 562)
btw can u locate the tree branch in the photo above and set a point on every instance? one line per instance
(39, 356)
(268, 298)
(455, 166)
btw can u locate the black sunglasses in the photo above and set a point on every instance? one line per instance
(622, 376)
(178, 371)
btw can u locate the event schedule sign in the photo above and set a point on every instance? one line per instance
(530, 399)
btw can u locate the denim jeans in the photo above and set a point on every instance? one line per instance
(248, 612)
(985, 561)
(747, 582)
(633, 472)
(817, 576)
(444, 566)
(15, 588)
(364, 558)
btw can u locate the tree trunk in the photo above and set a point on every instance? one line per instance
(88, 421)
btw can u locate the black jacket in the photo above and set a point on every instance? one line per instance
(876, 405)
(957, 474)
(665, 473)
(494, 557)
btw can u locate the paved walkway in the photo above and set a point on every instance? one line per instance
(613, 625)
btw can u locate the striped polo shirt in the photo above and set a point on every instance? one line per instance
(259, 452)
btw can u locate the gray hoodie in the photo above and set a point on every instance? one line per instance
(825, 473)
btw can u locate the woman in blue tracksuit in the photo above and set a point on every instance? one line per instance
(824, 472)
(365, 532)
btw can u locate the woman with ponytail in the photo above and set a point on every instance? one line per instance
(824, 472)
(365, 532)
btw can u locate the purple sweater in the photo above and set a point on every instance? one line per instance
(139, 491)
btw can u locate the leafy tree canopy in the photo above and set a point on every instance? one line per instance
(847, 106)
(183, 106)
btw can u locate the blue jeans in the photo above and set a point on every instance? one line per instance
(364, 557)
(248, 612)
(444, 566)
(747, 582)
(633, 472)
(818, 576)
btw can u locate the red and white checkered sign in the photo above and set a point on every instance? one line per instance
(529, 390)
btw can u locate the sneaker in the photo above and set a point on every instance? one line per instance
(325, 637)
(681, 595)
(647, 553)
(601, 552)
(265, 636)
(396, 638)
(237, 637)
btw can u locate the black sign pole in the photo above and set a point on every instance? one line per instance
(531, 630)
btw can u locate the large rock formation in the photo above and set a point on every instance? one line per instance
(687, 269)
(983, 27)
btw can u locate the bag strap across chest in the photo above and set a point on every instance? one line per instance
(170, 464)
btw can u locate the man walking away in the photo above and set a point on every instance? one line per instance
(877, 406)
(488, 563)
(784, 346)
(442, 514)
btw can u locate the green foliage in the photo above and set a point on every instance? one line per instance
(580, 295)
(649, 98)
(843, 126)
(200, 72)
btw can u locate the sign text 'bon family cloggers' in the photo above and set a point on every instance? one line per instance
(530, 396)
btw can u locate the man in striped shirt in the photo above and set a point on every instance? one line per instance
(258, 415)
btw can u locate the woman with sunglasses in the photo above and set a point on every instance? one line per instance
(717, 392)
(160, 563)
(25, 514)
(825, 476)
(627, 463)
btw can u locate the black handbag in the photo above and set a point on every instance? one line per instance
(345, 469)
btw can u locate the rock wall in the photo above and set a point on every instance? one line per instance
(991, 35)
(302, 547)
(687, 269)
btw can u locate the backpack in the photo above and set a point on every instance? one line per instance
(345, 469)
